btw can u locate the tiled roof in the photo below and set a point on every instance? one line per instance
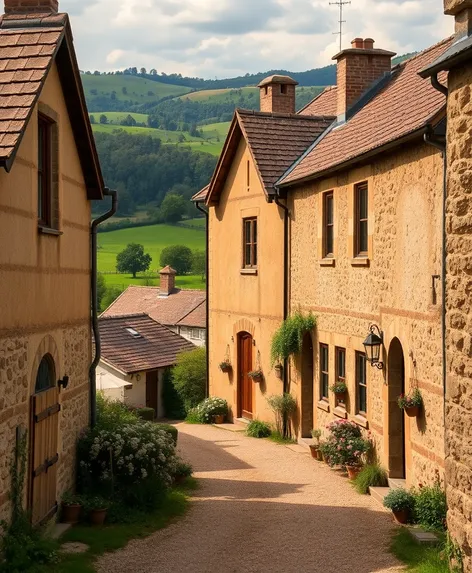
(201, 195)
(154, 345)
(196, 316)
(325, 103)
(404, 106)
(170, 310)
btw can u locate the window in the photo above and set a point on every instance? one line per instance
(340, 364)
(46, 375)
(328, 225)
(248, 174)
(195, 333)
(361, 383)
(250, 243)
(283, 88)
(324, 371)
(44, 171)
(361, 229)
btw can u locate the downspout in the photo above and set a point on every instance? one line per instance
(96, 334)
(207, 302)
(440, 144)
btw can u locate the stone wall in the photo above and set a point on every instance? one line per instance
(459, 311)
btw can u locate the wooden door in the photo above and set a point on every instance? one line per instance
(45, 409)
(152, 395)
(245, 383)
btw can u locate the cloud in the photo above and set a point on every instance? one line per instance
(232, 37)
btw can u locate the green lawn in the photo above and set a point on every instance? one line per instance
(124, 281)
(115, 117)
(220, 95)
(418, 558)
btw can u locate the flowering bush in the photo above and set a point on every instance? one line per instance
(345, 445)
(204, 412)
(414, 399)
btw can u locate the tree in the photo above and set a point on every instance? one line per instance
(153, 72)
(103, 119)
(92, 119)
(133, 260)
(173, 208)
(124, 89)
(143, 71)
(179, 257)
(101, 289)
(111, 294)
(199, 263)
(189, 377)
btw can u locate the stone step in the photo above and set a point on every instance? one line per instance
(305, 442)
(378, 493)
(396, 483)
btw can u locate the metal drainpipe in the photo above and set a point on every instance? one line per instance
(96, 334)
(207, 303)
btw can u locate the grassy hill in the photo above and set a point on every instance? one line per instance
(220, 95)
(154, 239)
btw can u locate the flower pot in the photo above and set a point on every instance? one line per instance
(319, 455)
(279, 369)
(340, 396)
(219, 419)
(353, 471)
(315, 451)
(71, 513)
(226, 368)
(412, 411)
(401, 516)
(257, 378)
(97, 516)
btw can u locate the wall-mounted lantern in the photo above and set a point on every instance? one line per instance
(373, 344)
(63, 383)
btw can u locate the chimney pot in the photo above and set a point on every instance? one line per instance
(167, 281)
(277, 94)
(368, 44)
(358, 43)
(31, 6)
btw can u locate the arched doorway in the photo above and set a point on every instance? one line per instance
(307, 386)
(245, 383)
(396, 417)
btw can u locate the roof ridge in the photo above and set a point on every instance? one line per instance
(326, 90)
(124, 316)
(423, 52)
(268, 114)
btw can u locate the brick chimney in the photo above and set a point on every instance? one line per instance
(167, 282)
(359, 67)
(278, 94)
(462, 12)
(31, 6)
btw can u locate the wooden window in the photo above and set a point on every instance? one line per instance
(324, 371)
(328, 225)
(44, 171)
(250, 243)
(361, 229)
(45, 377)
(340, 364)
(361, 383)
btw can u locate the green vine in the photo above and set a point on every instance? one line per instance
(454, 555)
(288, 339)
(18, 476)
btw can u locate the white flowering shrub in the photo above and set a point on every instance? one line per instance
(210, 407)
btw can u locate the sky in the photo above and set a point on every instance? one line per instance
(227, 38)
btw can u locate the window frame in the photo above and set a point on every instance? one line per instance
(361, 384)
(46, 363)
(359, 221)
(252, 244)
(328, 227)
(45, 168)
(340, 350)
(324, 374)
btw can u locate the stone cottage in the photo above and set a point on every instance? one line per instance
(50, 174)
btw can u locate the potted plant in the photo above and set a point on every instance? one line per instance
(401, 502)
(225, 365)
(345, 446)
(71, 508)
(97, 508)
(182, 471)
(411, 403)
(279, 370)
(315, 448)
(256, 375)
(340, 389)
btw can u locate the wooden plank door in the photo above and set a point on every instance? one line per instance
(245, 383)
(45, 409)
(152, 396)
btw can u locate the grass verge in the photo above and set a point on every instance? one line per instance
(419, 558)
(279, 439)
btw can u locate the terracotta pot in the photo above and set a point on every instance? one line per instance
(226, 368)
(315, 451)
(413, 411)
(97, 516)
(279, 371)
(257, 378)
(319, 455)
(71, 513)
(353, 471)
(401, 516)
(341, 396)
(219, 419)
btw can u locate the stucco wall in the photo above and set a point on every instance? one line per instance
(393, 290)
(44, 292)
(459, 311)
(240, 302)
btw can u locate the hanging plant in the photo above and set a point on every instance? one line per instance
(288, 339)
(256, 375)
(225, 364)
(339, 387)
(411, 402)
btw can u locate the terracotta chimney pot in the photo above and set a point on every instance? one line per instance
(358, 43)
(31, 6)
(368, 44)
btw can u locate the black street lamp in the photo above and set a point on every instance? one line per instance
(372, 345)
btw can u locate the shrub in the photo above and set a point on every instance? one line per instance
(189, 377)
(258, 429)
(172, 430)
(204, 412)
(287, 340)
(194, 417)
(371, 475)
(345, 444)
(183, 469)
(113, 414)
(146, 414)
(430, 507)
(173, 404)
(399, 499)
(283, 406)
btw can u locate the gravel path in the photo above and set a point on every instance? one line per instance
(262, 508)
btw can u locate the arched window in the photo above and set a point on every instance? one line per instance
(46, 376)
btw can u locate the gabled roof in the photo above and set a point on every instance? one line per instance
(169, 310)
(201, 195)
(29, 45)
(325, 103)
(275, 141)
(401, 109)
(137, 343)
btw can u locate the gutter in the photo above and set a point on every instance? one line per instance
(96, 334)
(207, 302)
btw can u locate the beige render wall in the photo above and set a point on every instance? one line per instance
(243, 302)
(44, 293)
(459, 311)
(394, 291)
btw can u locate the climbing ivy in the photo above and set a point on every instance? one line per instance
(288, 339)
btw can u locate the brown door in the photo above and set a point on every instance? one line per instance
(245, 383)
(152, 399)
